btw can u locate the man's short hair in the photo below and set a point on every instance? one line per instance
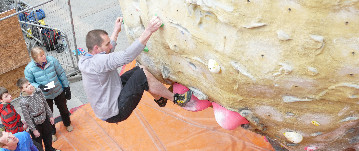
(93, 38)
(21, 82)
(2, 91)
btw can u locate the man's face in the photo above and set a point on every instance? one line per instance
(106, 45)
(28, 88)
(9, 140)
(6, 98)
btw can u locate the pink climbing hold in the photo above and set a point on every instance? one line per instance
(180, 89)
(265, 138)
(194, 104)
(228, 119)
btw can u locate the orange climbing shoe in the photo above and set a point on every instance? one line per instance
(182, 99)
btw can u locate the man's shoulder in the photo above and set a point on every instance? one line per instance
(22, 134)
(87, 62)
(24, 138)
(84, 58)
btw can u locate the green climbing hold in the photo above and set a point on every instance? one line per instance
(162, 23)
(145, 49)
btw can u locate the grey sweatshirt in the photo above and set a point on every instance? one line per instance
(102, 82)
(34, 108)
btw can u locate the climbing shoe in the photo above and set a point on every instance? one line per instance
(182, 99)
(161, 102)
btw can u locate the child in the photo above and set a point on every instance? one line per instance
(37, 113)
(9, 117)
(17, 142)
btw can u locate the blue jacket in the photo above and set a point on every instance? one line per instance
(52, 71)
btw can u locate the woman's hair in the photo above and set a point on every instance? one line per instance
(2, 91)
(36, 51)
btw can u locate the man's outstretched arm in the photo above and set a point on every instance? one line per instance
(154, 25)
(117, 29)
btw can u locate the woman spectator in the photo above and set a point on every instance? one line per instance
(41, 72)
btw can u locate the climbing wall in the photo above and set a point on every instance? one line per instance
(289, 67)
(13, 53)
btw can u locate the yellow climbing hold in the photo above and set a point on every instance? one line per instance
(315, 123)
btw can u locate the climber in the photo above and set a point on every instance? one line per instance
(114, 97)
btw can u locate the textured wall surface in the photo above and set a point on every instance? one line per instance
(284, 63)
(13, 51)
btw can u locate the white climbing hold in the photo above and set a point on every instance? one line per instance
(254, 25)
(198, 93)
(241, 69)
(293, 137)
(290, 99)
(349, 119)
(213, 66)
(285, 69)
(282, 35)
(317, 38)
(313, 70)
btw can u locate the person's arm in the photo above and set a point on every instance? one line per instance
(7, 120)
(117, 29)
(4, 121)
(112, 61)
(60, 72)
(26, 114)
(30, 77)
(155, 24)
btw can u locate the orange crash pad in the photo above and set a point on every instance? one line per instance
(153, 128)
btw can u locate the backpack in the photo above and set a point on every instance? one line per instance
(50, 39)
(33, 16)
(40, 14)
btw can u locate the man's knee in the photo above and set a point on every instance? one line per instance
(146, 72)
(144, 68)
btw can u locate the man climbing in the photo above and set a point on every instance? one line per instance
(114, 97)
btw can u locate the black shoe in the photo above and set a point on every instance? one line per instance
(161, 102)
(182, 99)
